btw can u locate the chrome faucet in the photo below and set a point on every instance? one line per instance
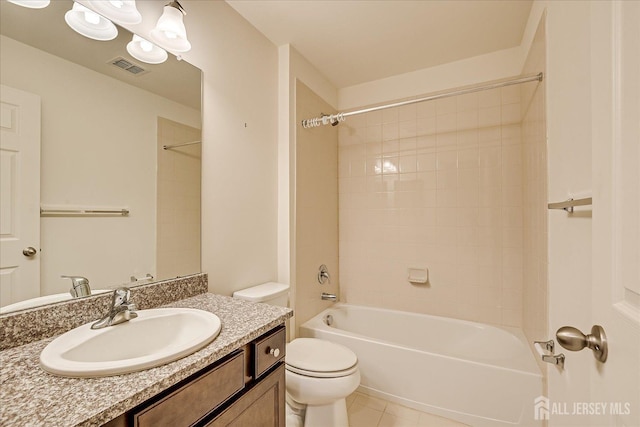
(122, 310)
(79, 286)
(329, 297)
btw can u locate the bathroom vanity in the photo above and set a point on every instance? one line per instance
(236, 379)
(245, 388)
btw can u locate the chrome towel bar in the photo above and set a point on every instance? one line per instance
(569, 204)
(79, 212)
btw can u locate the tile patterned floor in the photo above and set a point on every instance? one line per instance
(367, 411)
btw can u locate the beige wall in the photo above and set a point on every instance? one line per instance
(316, 207)
(534, 162)
(240, 142)
(239, 150)
(581, 110)
(478, 69)
(178, 200)
(569, 163)
(93, 155)
(435, 185)
(292, 68)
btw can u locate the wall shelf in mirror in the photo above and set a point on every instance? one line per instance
(84, 212)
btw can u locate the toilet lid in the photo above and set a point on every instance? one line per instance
(316, 355)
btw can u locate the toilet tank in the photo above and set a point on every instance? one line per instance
(272, 293)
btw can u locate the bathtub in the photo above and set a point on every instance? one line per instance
(474, 373)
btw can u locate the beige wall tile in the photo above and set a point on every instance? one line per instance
(450, 200)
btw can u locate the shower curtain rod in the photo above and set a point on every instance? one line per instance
(334, 119)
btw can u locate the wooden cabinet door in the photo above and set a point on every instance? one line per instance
(192, 402)
(262, 406)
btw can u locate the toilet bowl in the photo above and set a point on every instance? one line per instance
(319, 376)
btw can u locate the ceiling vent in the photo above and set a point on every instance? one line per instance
(128, 66)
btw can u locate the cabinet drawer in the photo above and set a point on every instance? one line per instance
(268, 351)
(197, 398)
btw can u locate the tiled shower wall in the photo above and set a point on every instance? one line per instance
(435, 185)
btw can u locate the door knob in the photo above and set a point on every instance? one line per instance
(29, 251)
(574, 340)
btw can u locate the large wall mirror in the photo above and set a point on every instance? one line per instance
(118, 184)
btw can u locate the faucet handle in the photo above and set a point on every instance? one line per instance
(547, 345)
(75, 278)
(121, 296)
(121, 309)
(323, 275)
(121, 303)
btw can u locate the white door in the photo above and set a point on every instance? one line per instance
(616, 215)
(19, 195)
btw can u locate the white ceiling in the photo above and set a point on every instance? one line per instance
(355, 41)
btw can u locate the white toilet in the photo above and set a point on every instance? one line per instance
(319, 374)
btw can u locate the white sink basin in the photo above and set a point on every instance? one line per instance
(155, 337)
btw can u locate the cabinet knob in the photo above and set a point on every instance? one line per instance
(275, 352)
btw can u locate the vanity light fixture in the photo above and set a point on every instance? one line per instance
(88, 23)
(118, 11)
(31, 4)
(170, 32)
(145, 51)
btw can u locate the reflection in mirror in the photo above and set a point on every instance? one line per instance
(135, 205)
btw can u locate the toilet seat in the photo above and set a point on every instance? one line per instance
(318, 374)
(318, 358)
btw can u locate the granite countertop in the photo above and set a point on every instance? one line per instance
(30, 396)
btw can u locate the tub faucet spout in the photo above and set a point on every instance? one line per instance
(122, 310)
(329, 297)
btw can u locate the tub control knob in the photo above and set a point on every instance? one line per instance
(275, 352)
